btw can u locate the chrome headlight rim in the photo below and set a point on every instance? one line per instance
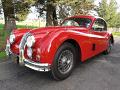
(29, 52)
(30, 41)
(12, 38)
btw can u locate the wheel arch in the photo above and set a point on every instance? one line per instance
(77, 47)
(112, 39)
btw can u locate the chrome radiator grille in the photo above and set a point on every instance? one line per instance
(23, 40)
(22, 46)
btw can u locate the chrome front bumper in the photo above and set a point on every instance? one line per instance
(43, 67)
(7, 49)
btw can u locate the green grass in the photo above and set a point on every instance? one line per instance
(116, 33)
(1, 26)
(18, 26)
(23, 26)
(3, 36)
(2, 55)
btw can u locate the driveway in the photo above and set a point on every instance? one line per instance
(99, 73)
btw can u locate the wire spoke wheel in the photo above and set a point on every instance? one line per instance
(109, 48)
(65, 61)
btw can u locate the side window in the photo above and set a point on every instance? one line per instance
(99, 25)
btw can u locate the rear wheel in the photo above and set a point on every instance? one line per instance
(64, 61)
(108, 50)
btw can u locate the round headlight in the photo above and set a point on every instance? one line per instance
(12, 38)
(30, 41)
(29, 52)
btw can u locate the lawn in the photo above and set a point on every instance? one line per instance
(116, 33)
(2, 54)
(1, 26)
(18, 26)
(24, 26)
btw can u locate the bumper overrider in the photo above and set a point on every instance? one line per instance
(8, 51)
(44, 67)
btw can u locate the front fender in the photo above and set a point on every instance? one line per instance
(49, 45)
(18, 36)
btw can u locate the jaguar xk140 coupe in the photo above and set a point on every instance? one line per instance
(57, 49)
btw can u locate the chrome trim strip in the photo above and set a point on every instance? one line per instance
(23, 40)
(22, 46)
(7, 49)
(21, 57)
(44, 67)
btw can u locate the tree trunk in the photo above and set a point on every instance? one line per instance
(51, 16)
(9, 15)
(55, 22)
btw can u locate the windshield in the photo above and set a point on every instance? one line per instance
(80, 22)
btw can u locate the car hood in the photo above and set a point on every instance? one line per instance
(20, 31)
(47, 30)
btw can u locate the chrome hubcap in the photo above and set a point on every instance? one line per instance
(65, 61)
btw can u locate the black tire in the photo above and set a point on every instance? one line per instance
(64, 61)
(108, 50)
(17, 60)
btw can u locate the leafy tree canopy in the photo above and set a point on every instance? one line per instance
(22, 8)
(109, 12)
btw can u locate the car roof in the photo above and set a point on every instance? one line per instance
(85, 16)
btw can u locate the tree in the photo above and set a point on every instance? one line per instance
(59, 9)
(79, 7)
(83, 7)
(22, 8)
(108, 11)
(0, 7)
(116, 21)
(15, 10)
(9, 14)
(50, 8)
(63, 12)
(51, 16)
(112, 13)
(102, 9)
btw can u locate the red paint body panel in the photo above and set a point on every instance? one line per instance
(49, 39)
(18, 34)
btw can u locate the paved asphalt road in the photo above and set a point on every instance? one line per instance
(99, 73)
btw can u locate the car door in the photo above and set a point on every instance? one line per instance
(99, 36)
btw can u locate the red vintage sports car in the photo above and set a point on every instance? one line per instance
(57, 49)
